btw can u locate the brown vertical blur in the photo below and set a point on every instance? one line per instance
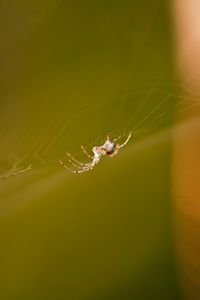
(186, 163)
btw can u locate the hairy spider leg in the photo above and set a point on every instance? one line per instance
(78, 166)
(81, 170)
(85, 151)
(120, 136)
(126, 141)
(74, 159)
(65, 166)
(84, 170)
(89, 166)
(81, 165)
(69, 169)
(75, 165)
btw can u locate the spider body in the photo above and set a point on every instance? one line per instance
(109, 148)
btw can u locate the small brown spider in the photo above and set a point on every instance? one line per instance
(109, 148)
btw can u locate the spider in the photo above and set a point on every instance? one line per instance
(109, 148)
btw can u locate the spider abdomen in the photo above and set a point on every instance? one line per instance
(110, 148)
(110, 151)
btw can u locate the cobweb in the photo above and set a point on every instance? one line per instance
(33, 139)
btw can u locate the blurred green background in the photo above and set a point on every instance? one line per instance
(71, 72)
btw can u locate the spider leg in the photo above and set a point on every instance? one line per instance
(85, 151)
(81, 166)
(120, 136)
(66, 167)
(85, 166)
(81, 170)
(76, 163)
(126, 141)
(89, 166)
(86, 169)
(74, 159)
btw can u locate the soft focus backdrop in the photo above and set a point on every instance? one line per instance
(71, 72)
